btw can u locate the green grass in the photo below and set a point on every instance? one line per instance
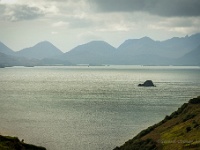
(179, 131)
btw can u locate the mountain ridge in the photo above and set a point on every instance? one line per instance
(94, 52)
(191, 58)
(41, 50)
(143, 51)
(6, 50)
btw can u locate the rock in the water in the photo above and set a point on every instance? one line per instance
(147, 83)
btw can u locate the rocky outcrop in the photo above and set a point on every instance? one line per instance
(147, 83)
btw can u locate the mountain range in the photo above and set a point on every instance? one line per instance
(143, 51)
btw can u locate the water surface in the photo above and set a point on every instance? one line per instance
(91, 108)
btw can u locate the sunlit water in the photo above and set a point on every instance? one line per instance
(89, 108)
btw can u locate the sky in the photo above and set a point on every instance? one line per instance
(68, 23)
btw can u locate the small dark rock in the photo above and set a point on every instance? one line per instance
(147, 83)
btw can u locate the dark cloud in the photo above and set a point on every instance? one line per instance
(20, 12)
(157, 7)
(24, 12)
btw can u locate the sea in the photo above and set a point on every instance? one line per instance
(90, 107)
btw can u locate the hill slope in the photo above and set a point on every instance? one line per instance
(4, 49)
(9, 60)
(95, 52)
(41, 50)
(180, 130)
(144, 51)
(191, 58)
(13, 143)
(172, 48)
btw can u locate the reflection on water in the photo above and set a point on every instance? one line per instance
(89, 107)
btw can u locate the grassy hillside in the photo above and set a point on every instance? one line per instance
(179, 131)
(13, 143)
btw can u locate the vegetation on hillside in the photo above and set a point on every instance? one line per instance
(179, 131)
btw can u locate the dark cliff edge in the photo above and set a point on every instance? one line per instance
(13, 143)
(180, 130)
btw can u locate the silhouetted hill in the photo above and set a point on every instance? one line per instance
(8, 60)
(180, 46)
(144, 51)
(179, 131)
(191, 58)
(4, 49)
(39, 55)
(53, 62)
(136, 45)
(172, 48)
(13, 143)
(143, 59)
(95, 52)
(41, 50)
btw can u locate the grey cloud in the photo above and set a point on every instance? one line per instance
(66, 1)
(157, 7)
(80, 23)
(118, 5)
(2, 8)
(20, 12)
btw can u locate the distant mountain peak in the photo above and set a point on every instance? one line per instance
(131, 42)
(146, 38)
(44, 43)
(197, 34)
(93, 45)
(94, 52)
(143, 50)
(41, 50)
(6, 50)
(99, 42)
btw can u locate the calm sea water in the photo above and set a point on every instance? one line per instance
(93, 108)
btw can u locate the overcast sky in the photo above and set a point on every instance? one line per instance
(68, 23)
